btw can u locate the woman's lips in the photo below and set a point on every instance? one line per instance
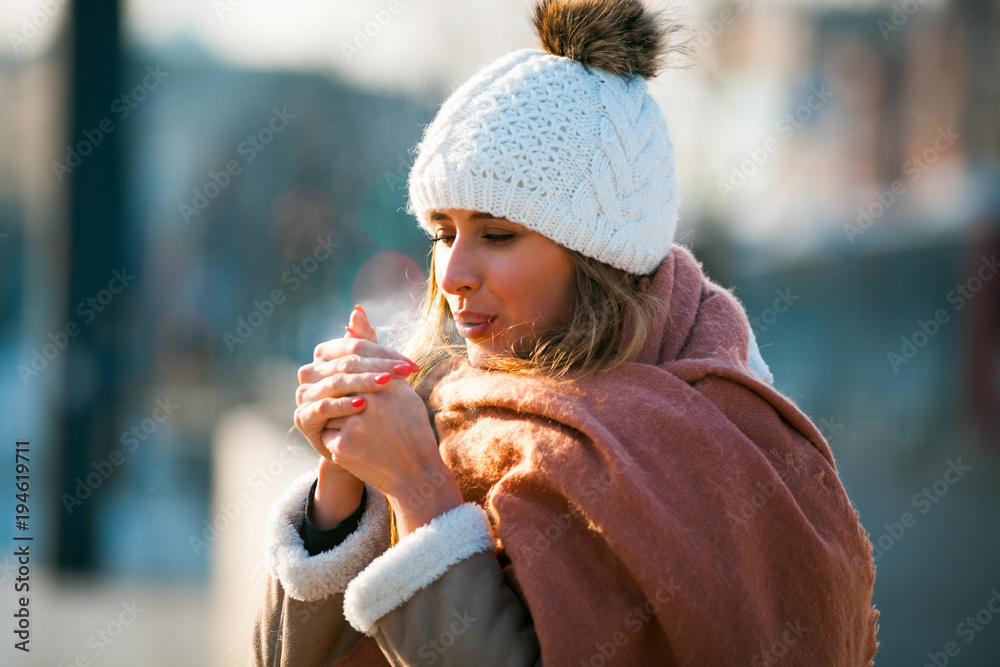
(473, 325)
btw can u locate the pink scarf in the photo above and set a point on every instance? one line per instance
(677, 511)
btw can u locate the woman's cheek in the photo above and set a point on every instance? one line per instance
(510, 282)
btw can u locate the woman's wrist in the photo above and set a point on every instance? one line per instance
(422, 499)
(338, 495)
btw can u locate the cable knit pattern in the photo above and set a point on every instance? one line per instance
(309, 578)
(581, 156)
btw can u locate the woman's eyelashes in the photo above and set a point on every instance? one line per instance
(491, 238)
(498, 239)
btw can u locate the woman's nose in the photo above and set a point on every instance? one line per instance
(457, 270)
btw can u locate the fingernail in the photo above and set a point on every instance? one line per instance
(358, 401)
(413, 365)
(358, 307)
(351, 333)
(403, 369)
(383, 378)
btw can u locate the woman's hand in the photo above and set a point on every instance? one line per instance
(391, 445)
(388, 441)
(342, 369)
(322, 398)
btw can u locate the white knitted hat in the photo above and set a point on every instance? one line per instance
(579, 154)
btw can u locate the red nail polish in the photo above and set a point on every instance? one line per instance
(403, 369)
(383, 378)
(358, 401)
(351, 333)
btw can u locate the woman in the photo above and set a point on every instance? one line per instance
(579, 465)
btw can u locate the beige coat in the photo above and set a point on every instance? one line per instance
(301, 621)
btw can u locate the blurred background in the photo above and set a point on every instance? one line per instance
(193, 194)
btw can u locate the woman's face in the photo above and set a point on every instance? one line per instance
(505, 284)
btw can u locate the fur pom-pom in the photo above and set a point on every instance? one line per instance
(618, 36)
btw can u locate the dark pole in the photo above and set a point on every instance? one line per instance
(89, 391)
(979, 21)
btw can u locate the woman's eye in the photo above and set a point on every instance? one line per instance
(444, 238)
(497, 239)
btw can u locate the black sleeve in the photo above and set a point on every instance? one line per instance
(317, 541)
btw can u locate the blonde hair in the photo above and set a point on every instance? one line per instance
(611, 319)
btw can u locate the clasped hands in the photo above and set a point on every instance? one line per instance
(357, 410)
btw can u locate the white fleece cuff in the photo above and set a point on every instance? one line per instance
(415, 562)
(309, 578)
